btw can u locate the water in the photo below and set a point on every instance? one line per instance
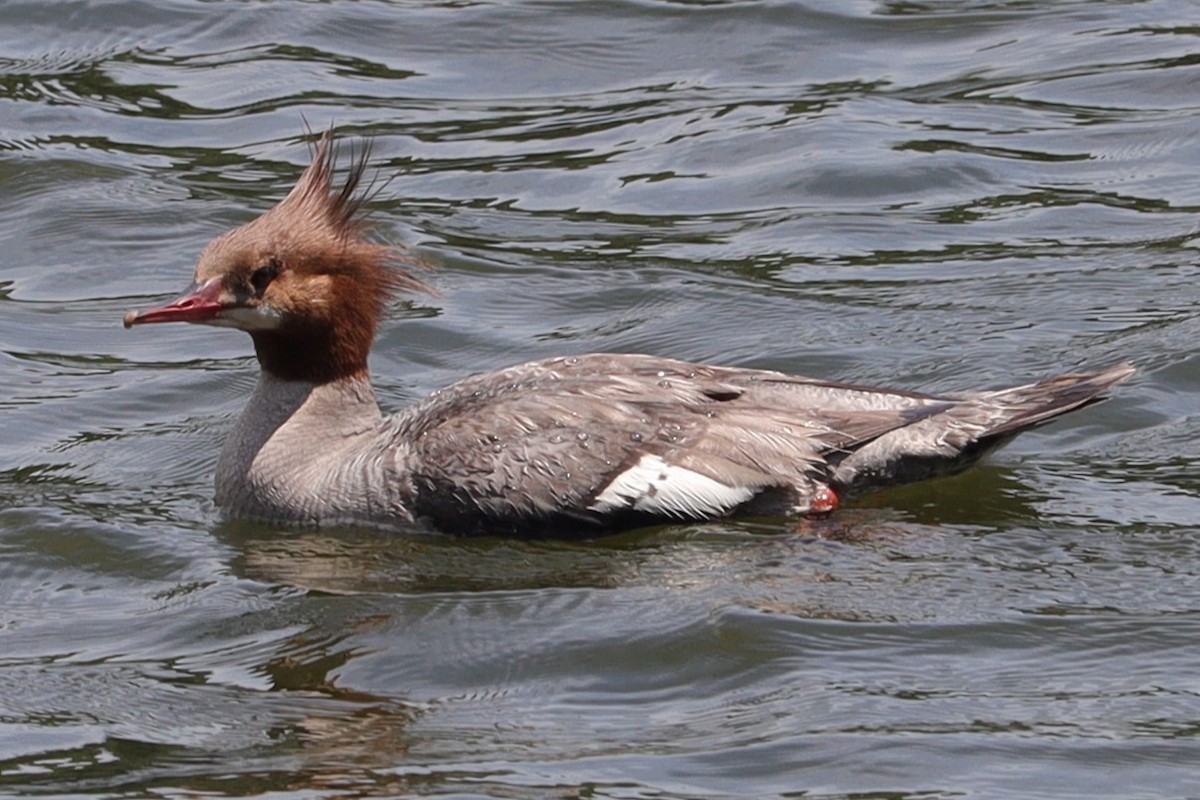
(924, 194)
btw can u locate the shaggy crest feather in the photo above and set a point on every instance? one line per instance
(331, 221)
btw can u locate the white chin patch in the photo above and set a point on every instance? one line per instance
(248, 319)
(656, 487)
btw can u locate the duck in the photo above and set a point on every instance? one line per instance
(576, 445)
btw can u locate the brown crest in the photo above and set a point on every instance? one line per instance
(335, 282)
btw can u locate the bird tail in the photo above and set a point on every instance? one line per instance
(1036, 403)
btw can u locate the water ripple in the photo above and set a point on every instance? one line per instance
(936, 195)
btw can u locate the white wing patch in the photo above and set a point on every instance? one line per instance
(656, 487)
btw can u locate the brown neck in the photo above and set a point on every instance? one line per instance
(316, 356)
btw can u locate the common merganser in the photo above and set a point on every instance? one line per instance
(579, 444)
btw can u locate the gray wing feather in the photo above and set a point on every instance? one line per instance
(543, 440)
(574, 437)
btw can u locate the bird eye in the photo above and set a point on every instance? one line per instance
(263, 276)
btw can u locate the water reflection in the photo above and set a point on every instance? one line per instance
(366, 562)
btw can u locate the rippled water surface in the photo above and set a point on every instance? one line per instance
(929, 194)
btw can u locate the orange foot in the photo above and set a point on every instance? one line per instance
(825, 501)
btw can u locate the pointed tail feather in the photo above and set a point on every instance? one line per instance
(973, 424)
(1041, 401)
